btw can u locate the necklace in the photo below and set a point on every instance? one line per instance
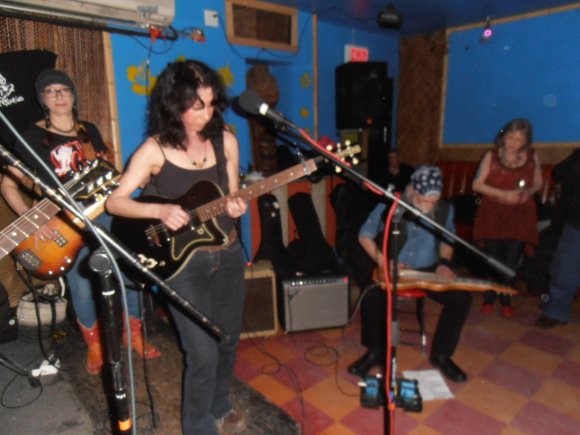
(70, 130)
(199, 165)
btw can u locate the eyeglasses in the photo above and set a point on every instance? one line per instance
(52, 93)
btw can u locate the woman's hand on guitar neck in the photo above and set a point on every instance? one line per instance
(236, 207)
(173, 216)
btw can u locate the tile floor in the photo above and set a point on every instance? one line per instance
(522, 380)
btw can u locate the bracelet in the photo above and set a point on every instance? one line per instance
(445, 262)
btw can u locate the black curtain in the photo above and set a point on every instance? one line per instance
(18, 71)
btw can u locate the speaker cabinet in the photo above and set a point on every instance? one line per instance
(261, 315)
(315, 302)
(362, 95)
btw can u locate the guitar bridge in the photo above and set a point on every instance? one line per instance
(59, 239)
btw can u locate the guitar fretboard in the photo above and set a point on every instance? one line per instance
(427, 276)
(27, 224)
(217, 207)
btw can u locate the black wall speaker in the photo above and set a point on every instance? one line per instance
(314, 302)
(362, 95)
(261, 315)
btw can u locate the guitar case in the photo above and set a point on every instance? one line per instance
(311, 252)
(352, 205)
(272, 245)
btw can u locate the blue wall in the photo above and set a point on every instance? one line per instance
(293, 71)
(530, 68)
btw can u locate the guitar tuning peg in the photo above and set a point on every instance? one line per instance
(337, 169)
(355, 161)
(329, 147)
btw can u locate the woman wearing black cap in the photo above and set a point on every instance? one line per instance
(65, 143)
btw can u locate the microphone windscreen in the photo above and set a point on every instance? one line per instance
(250, 102)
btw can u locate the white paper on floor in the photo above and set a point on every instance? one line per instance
(432, 386)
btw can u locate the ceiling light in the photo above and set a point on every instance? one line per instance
(487, 31)
(390, 17)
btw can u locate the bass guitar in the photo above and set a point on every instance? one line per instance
(409, 279)
(51, 258)
(166, 252)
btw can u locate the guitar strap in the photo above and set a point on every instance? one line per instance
(218, 148)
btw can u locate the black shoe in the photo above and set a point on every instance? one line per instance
(366, 362)
(545, 322)
(449, 369)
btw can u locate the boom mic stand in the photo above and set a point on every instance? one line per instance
(290, 129)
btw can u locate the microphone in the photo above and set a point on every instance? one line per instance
(252, 103)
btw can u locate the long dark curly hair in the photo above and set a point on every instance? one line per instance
(176, 92)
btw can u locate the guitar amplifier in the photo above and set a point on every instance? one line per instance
(314, 302)
(261, 315)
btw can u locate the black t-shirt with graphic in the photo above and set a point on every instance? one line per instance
(66, 153)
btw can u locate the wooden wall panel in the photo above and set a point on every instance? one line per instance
(420, 91)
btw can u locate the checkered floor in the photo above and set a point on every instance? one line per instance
(522, 380)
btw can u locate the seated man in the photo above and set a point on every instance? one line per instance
(420, 248)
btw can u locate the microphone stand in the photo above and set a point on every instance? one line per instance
(392, 330)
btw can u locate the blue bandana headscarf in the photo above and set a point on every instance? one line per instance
(427, 181)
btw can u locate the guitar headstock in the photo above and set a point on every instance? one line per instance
(94, 181)
(347, 153)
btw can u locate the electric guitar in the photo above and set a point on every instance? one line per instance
(409, 279)
(51, 258)
(166, 252)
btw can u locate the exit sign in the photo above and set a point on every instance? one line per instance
(352, 53)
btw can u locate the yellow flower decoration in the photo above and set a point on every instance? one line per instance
(305, 80)
(227, 75)
(142, 80)
(304, 112)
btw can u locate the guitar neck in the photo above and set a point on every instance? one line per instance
(26, 225)
(217, 207)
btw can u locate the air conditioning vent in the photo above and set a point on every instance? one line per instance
(140, 13)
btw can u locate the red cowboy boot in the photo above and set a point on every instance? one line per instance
(92, 337)
(144, 350)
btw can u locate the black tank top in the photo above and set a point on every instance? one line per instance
(173, 181)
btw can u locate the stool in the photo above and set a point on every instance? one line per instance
(419, 296)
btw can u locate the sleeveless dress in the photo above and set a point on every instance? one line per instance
(497, 221)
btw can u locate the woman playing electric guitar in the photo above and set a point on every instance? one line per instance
(188, 144)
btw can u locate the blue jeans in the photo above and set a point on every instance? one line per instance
(83, 283)
(214, 283)
(564, 276)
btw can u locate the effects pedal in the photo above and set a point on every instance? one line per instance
(372, 394)
(408, 396)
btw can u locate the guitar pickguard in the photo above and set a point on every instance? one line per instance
(188, 241)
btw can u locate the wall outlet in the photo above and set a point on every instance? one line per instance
(210, 18)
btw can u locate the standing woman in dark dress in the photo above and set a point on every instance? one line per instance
(505, 222)
(65, 143)
(188, 142)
